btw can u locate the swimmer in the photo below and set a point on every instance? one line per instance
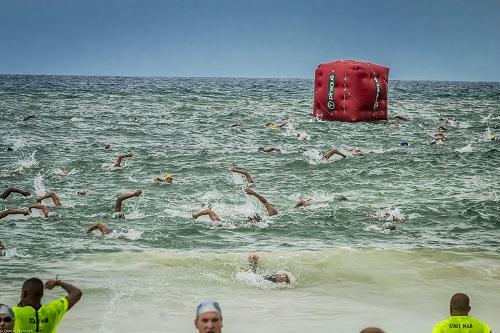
(51, 195)
(120, 157)
(168, 179)
(107, 146)
(208, 211)
(10, 190)
(393, 124)
(270, 149)
(404, 144)
(270, 209)
(28, 117)
(442, 129)
(13, 211)
(117, 210)
(356, 152)
(303, 202)
(3, 249)
(254, 218)
(244, 173)
(340, 197)
(331, 152)
(102, 227)
(277, 125)
(398, 117)
(43, 208)
(439, 137)
(279, 277)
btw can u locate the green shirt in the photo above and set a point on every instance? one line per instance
(461, 324)
(45, 320)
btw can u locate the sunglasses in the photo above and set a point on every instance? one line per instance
(5, 319)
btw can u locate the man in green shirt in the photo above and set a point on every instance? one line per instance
(32, 316)
(459, 320)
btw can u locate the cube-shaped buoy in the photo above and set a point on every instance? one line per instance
(349, 90)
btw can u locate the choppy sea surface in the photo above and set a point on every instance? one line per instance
(348, 269)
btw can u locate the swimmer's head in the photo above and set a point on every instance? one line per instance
(277, 278)
(254, 218)
(403, 144)
(253, 259)
(118, 215)
(493, 137)
(168, 178)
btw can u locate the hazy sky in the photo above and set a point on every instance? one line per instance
(419, 39)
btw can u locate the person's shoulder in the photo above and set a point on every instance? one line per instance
(60, 304)
(485, 325)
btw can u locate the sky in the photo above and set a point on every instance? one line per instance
(456, 40)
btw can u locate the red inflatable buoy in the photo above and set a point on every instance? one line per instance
(349, 90)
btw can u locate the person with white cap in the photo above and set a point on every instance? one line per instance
(7, 319)
(208, 317)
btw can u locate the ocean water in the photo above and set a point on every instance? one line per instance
(348, 271)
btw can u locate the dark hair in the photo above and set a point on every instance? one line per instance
(33, 286)
(460, 302)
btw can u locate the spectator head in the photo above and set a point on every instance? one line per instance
(372, 330)
(459, 305)
(32, 292)
(208, 317)
(6, 318)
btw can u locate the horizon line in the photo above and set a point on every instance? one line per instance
(221, 77)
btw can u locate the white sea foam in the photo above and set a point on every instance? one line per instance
(38, 185)
(26, 162)
(465, 149)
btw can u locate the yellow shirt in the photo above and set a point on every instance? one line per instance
(461, 324)
(45, 320)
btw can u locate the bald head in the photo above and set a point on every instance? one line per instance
(372, 330)
(459, 304)
(32, 291)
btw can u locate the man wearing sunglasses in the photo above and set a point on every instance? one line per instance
(6, 319)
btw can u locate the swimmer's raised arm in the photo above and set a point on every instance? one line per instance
(213, 216)
(118, 205)
(51, 195)
(120, 157)
(243, 172)
(43, 208)
(270, 209)
(102, 227)
(10, 190)
(13, 211)
(332, 152)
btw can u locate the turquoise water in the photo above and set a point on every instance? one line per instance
(347, 269)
